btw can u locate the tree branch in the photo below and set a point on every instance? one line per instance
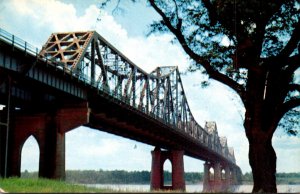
(290, 64)
(283, 109)
(179, 23)
(116, 8)
(292, 44)
(213, 16)
(288, 106)
(197, 58)
(294, 64)
(294, 87)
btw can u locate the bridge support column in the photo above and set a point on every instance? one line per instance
(217, 185)
(206, 174)
(178, 182)
(3, 131)
(236, 176)
(52, 153)
(156, 170)
(158, 159)
(227, 181)
(49, 130)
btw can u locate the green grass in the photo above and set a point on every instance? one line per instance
(19, 185)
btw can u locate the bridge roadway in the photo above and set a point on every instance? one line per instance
(79, 79)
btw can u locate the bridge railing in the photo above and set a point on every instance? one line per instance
(159, 94)
(14, 41)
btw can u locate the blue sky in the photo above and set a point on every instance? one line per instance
(35, 20)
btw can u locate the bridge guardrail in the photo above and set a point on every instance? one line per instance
(17, 42)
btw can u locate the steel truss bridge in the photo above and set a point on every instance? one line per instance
(82, 79)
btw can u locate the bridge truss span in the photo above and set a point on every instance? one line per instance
(159, 94)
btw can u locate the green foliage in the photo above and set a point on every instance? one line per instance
(123, 177)
(288, 178)
(200, 35)
(167, 178)
(29, 175)
(106, 177)
(247, 178)
(290, 122)
(281, 178)
(18, 185)
(280, 29)
(193, 177)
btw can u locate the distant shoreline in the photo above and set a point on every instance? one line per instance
(143, 177)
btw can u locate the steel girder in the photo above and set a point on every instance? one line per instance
(160, 94)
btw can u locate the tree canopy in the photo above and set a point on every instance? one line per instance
(227, 38)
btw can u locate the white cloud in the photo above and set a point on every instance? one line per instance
(225, 41)
(147, 53)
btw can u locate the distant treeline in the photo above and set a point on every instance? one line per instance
(281, 178)
(143, 177)
(116, 176)
(122, 177)
(106, 177)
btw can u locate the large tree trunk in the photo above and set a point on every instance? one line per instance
(262, 159)
(260, 123)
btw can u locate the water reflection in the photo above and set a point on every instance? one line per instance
(192, 188)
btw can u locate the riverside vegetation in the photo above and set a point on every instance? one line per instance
(34, 185)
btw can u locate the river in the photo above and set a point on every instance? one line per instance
(191, 188)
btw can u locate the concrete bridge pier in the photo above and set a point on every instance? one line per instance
(220, 180)
(227, 178)
(158, 159)
(206, 177)
(49, 131)
(236, 176)
(217, 183)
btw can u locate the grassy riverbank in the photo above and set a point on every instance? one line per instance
(19, 185)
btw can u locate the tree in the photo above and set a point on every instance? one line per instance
(258, 61)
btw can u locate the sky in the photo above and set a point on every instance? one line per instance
(34, 21)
